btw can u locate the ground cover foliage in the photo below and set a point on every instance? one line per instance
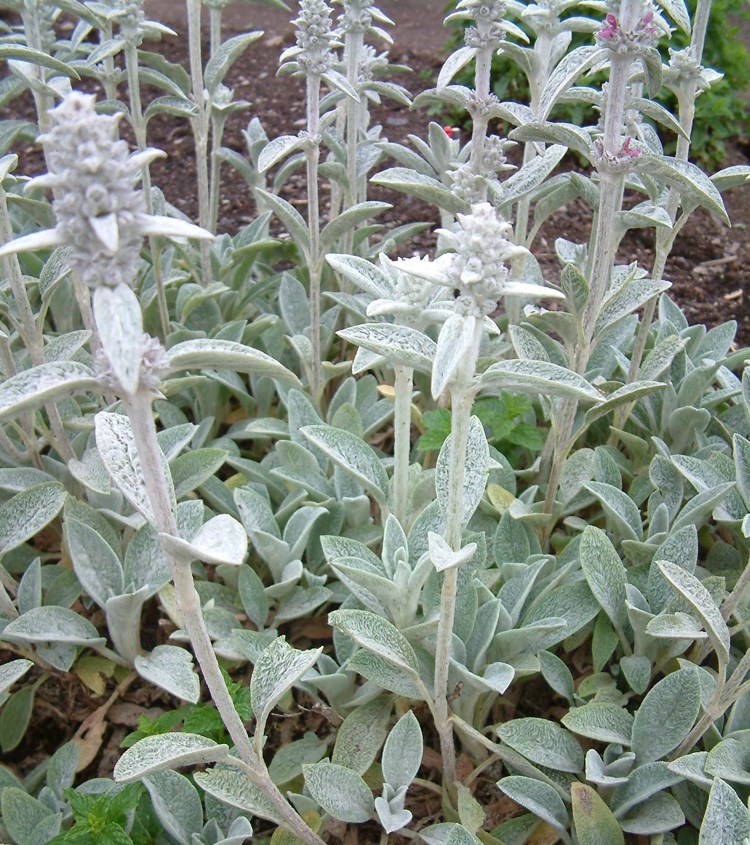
(272, 474)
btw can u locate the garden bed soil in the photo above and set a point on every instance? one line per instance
(709, 272)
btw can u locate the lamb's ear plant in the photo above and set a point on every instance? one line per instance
(234, 480)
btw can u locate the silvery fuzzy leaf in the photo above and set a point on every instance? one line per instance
(637, 672)
(301, 601)
(64, 347)
(50, 382)
(660, 358)
(253, 597)
(602, 721)
(644, 216)
(666, 715)
(119, 323)
(596, 771)
(622, 396)
(687, 178)
(675, 626)
(678, 11)
(537, 797)
(476, 470)
(396, 344)
(9, 673)
(626, 299)
(224, 57)
(575, 603)
(293, 221)
(14, 480)
(567, 135)
(741, 454)
(348, 220)
(454, 350)
(166, 751)
(528, 639)
(194, 468)
(605, 573)
(575, 64)
(532, 174)
(146, 565)
(363, 274)
(91, 473)
(442, 555)
(29, 592)
(288, 760)
(727, 819)
(176, 803)
(556, 673)
(543, 742)
(377, 636)
(294, 305)
(392, 818)
(116, 445)
(448, 833)
(367, 583)
(453, 64)
(207, 353)
(593, 820)
(123, 614)
(730, 760)
(620, 508)
(278, 149)
(22, 53)
(255, 512)
(731, 177)
(353, 455)
(25, 818)
(539, 377)
(96, 565)
(361, 734)
(339, 791)
(277, 669)
(386, 674)
(52, 624)
(422, 187)
(515, 591)
(698, 597)
(643, 782)
(402, 753)
(28, 512)
(170, 668)
(220, 541)
(233, 787)
(696, 510)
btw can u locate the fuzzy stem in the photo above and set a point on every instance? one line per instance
(480, 118)
(461, 402)
(200, 125)
(665, 237)
(138, 408)
(312, 156)
(214, 18)
(402, 441)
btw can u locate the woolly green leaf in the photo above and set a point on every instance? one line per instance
(167, 751)
(666, 715)
(339, 791)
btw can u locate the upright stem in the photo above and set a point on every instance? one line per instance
(200, 126)
(402, 441)
(312, 155)
(141, 138)
(665, 237)
(461, 402)
(214, 18)
(31, 336)
(480, 119)
(602, 246)
(138, 408)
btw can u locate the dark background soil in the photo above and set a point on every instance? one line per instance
(710, 263)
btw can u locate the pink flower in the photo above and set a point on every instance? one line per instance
(630, 152)
(610, 29)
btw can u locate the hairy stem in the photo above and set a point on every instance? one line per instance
(312, 156)
(402, 441)
(138, 408)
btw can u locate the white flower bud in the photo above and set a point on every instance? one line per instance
(97, 204)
